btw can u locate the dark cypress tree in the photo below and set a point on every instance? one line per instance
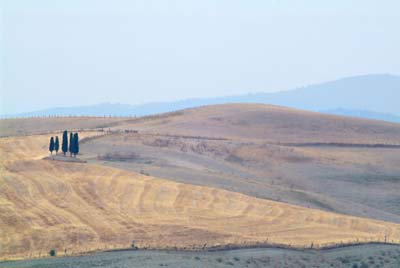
(76, 144)
(71, 144)
(51, 146)
(56, 145)
(64, 146)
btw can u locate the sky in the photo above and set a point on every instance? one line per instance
(65, 53)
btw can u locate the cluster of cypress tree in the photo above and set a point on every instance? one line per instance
(72, 147)
(54, 145)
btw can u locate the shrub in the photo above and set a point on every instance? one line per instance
(53, 253)
(144, 173)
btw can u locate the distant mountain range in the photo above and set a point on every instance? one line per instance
(368, 96)
(364, 114)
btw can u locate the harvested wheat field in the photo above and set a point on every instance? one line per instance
(76, 207)
(338, 164)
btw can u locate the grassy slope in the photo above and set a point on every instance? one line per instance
(48, 204)
(356, 181)
(269, 123)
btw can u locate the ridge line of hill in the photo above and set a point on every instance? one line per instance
(379, 94)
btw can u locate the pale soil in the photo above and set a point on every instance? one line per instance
(107, 203)
(355, 181)
(81, 207)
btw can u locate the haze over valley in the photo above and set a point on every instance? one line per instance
(367, 96)
(244, 134)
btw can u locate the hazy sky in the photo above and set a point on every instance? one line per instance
(77, 52)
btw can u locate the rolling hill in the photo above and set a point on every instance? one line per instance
(275, 124)
(41, 125)
(238, 174)
(75, 207)
(333, 163)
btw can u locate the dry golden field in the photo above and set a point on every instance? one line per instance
(338, 164)
(77, 207)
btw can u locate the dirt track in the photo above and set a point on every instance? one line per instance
(370, 255)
